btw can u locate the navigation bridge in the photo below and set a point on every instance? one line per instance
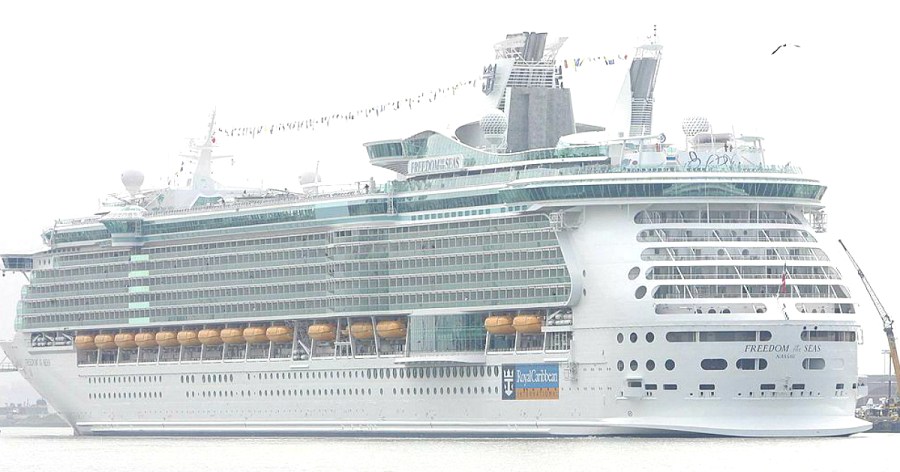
(24, 264)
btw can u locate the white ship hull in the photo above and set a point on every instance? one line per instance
(588, 406)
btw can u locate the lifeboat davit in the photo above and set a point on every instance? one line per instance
(321, 332)
(145, 340)
(188, 337)
(85, 342)
(105, 341)
(125, 340)
(528, 323)
(209, 337)
(167, 338)
(280, 334)
(362, 330)
(499, 324)
(232, 336)
(255, 335)
(391, 329)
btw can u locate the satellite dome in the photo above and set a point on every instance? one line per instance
(132, 180)
(694, 125)
(494, 123)
(309, 178)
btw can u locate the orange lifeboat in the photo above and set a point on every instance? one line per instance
(167, 338)
(85, 342)
(188, 337)
(280, 334)
(255, 335)
(105, 341)
(125, 340)
(321, 332)
(391, 329)
(145, 340)
(232, 336)
(209, 337)
(528, 323)
(362, 330)
(499, 324)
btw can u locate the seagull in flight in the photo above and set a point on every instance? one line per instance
(784, 46)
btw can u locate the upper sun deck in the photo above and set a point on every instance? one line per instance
(439, 168)
(429, 153)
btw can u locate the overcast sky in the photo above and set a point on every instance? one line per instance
(90, 89)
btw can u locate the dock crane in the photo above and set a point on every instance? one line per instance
(885, 319)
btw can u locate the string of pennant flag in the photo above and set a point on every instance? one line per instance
(580, 61)
(311, 124)
(326, 120)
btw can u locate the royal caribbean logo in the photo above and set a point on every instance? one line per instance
(530, 382)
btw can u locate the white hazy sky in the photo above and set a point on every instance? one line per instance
(89, 89)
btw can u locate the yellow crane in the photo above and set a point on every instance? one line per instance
(885, 320)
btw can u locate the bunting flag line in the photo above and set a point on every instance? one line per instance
(375, 111)
(311, 124)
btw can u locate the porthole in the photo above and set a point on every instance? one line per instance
(620, 365)
(713, 364)
(814, 363)
(633, 337)
(670, 364)
(649, 337)
(634, 365)
(651, 365)
(584, 291)
(620, 337)
(640, 292)
(633, 273)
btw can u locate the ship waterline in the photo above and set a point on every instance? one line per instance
(618, 287)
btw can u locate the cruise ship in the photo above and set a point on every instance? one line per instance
(525, 275)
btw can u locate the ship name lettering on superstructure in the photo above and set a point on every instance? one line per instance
(435, 164)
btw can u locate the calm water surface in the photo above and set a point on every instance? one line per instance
(43, 449)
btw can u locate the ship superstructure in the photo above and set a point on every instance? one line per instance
(621, 286)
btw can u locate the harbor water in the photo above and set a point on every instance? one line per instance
(42, 449)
